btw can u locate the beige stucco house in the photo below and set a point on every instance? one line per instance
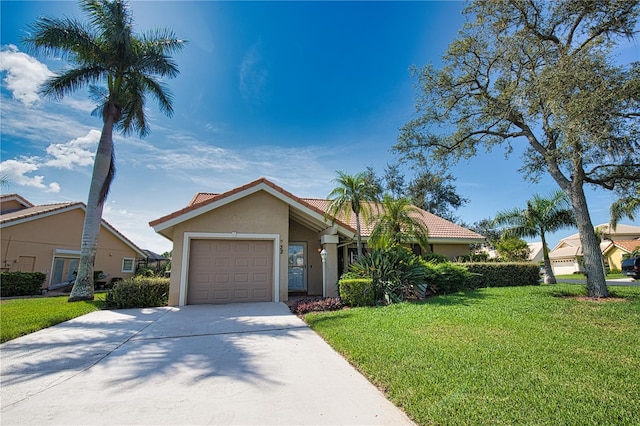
(565, 256)
(259, 242)
(46, 238)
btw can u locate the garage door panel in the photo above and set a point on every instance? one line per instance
(222, 271)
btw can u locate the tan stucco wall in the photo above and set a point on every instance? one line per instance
(300, 233)
(41, 237)
(451, 250)
(258, 213)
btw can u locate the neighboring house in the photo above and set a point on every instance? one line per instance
(259, 242)
(566, 255)
(536, 254)
(46, 238)
(616, 249)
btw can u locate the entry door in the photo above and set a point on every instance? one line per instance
(297, 267)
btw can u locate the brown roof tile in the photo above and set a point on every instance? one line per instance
(438, 227)
(34, 211)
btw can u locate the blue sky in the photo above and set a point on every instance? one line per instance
(291, 91)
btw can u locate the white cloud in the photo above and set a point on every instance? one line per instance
(77, 152)
(253, 74)
(24, 75)
(17, 170)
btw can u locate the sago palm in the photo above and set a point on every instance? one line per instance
(106, 51)
(541, 216)
(398, 223)
(353, 194)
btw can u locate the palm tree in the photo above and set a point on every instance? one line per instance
(353, 193)
(106, 50)
(398, 223)
(625, 207)
(542, 215)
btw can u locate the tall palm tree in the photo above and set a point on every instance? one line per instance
(542, 215)
(353, 193)
(398, 223)
(106, 50)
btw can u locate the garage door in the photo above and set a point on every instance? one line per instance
(222, 271)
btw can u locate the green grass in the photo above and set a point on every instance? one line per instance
(520, 355)
(583, 277)
(23, 316)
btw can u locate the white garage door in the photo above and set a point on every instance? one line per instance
(230, 271)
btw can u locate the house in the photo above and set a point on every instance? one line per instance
(616, 249)
(46, 238)
(536, 252)
(567, 254)
(259, 242)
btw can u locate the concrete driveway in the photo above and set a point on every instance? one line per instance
(249, 363)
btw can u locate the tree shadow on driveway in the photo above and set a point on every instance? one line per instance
(126, 349)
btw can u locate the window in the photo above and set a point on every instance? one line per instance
(128, 264)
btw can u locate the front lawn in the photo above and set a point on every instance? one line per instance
(19, 317)
(516, 355)
(583, 277)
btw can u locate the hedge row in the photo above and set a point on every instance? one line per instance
(139, 292)
(21, 283)
(505, 274)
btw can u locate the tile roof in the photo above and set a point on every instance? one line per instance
(35, 211)
(204, 198)
(627, 245)
(32, 213)
(438, 227)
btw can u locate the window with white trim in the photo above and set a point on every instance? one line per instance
(128, 264)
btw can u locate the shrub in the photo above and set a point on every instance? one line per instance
(145, 272)
(504, 274)
(449, 277)
(21, 283)
(139, 292)
(357, 291)
(306, 305)
(396, 272)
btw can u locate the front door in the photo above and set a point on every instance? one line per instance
(297, 267)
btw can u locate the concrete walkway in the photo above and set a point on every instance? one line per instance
(233, 364)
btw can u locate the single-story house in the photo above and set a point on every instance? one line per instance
(46, 238)
(616, 249)
(259, 242)
(565, 256)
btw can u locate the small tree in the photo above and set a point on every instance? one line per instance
(512, 249)
(353, 194)
(541, 216)
(398, 223)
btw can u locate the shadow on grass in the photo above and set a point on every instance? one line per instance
(466, 298)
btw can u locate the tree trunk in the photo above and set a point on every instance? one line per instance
(358, 236)
(549, 277)
(83, 287)
(596, 280)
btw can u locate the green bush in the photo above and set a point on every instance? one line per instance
(396, 272)
(21, 283)
(445, 278)
(504, 274)
(357, 291)
(138, 292)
